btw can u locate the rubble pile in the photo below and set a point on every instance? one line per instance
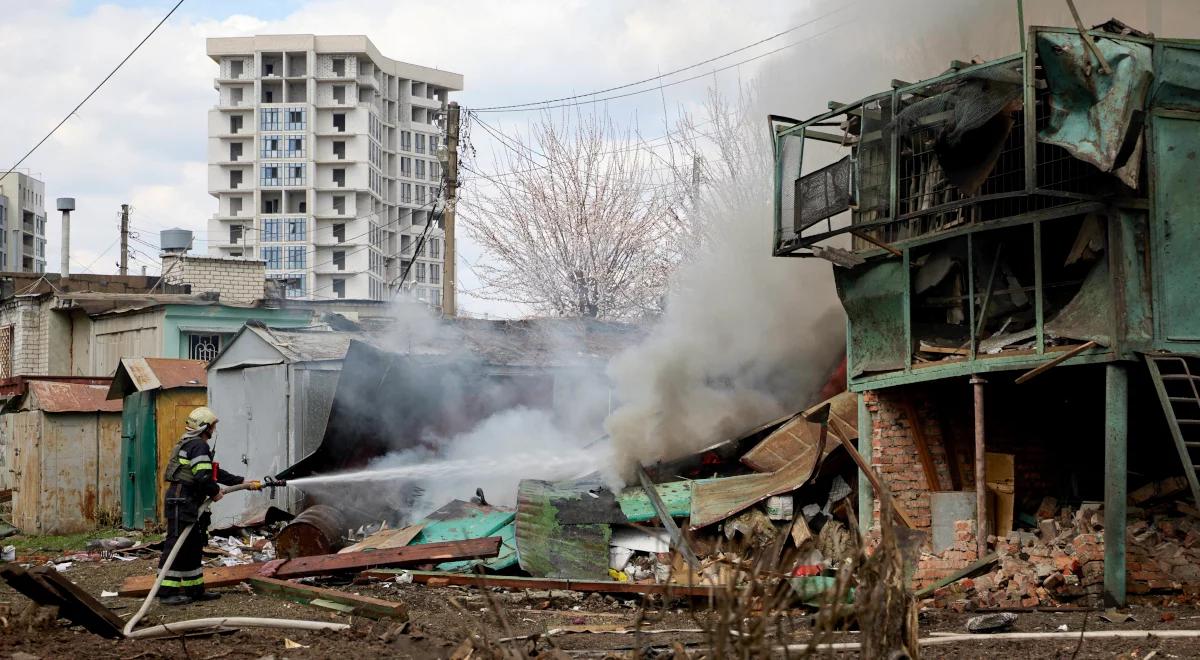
(1063, 564)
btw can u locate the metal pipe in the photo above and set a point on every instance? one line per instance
(981, 526)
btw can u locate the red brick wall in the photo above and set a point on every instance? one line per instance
(894, 451)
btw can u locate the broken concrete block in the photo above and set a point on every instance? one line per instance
(990, 623)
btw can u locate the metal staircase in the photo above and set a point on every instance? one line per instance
(1177, 379)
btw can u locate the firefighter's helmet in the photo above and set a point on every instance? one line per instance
(201, 418)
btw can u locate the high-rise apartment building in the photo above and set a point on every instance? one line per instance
(323, 156)
(22, 224)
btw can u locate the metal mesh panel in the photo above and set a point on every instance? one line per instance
(790, 149)
(6, 352)
(874, 156)
(823, 194)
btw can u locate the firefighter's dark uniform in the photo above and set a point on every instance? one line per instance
(189, 474)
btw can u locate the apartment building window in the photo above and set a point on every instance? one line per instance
(339, 93)
(339, 149)
(339, 288)
(294, 175)
(235, 123)
(295, 147)
(270, 147)
(269, 175)
(295, 229)
(406, 192)
(339, 232)
(435, 170)
(405, 243)
(420, 168)
(420, 194)
(236, 95)
(293, 285)
(235, 234)
(435, 248)
(435, 274)
(405, 166)
(203, 346)
(295, 257)
(235, 206)
(271, 230)
(339, 177)
(339, 122)
(235, 151)
(235, 179)
(270, 205)
(420, 143)
(406, 140)
(434, 193)
(269, 119)
(339, 67)
(295, 119)
(273, 255)
(339, 260)
(236, 67)
(339, 204)
(420, 272)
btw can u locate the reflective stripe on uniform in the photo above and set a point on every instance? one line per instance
(201, 466)
(202, 459)
(185, 574)
(184, 461)
(179, 584)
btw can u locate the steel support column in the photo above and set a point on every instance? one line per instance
(866, 496)
(981, 509)
(1116, 427)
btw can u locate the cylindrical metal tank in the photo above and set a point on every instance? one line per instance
(316, 531)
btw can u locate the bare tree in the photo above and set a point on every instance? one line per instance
(577, 222)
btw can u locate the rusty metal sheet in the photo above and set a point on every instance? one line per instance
(799, 436)
(142, 374)
(52, 397)
(716, 500)
(1091, 114)
(549, 547)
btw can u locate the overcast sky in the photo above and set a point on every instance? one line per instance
(143, 138)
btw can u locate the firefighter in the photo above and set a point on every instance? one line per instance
(192, 476)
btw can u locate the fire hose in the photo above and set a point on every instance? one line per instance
(212, 622)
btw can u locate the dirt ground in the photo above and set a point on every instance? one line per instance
(443, 617)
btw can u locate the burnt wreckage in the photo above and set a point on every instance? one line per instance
(1028, 226)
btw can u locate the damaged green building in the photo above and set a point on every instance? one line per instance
(1016, 244)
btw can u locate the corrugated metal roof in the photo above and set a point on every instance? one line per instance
(143, 374)
(54, 397)
(308, 344)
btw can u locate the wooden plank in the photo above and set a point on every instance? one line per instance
(46, 586)
(966, 572)
(664, 517)
(432, 553)
(508, 582)
(1059, 359)
(374, 608)
(918, 434)
(880, 491)
(384, 539)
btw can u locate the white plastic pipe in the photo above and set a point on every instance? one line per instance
(1014, 636)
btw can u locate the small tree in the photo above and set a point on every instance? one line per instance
(576, 224)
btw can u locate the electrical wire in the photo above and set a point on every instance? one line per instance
(514, 107)
(92, 93)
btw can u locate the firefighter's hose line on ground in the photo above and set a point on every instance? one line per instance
(182, 626)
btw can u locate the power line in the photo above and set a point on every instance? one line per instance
(92, 93)
(670, 84)
(515, 106)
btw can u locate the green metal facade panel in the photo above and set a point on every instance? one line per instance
(1135, 313)
(876, 308)
(223, 319)
(1177, 78)
(550, 541)
(676, 495)
(1176, 157)
(139, 461)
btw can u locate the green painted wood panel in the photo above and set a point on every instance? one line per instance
(139, 461)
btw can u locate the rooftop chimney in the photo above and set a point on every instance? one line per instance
(66, 205)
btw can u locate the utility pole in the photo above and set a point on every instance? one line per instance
(449, 304)
(124, 268)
